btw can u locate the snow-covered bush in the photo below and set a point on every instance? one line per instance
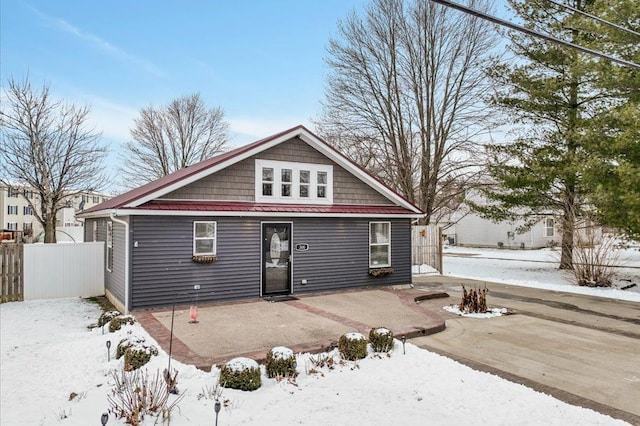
(106, 317)
(381, 339)
(281, 362)
(136, 351)
(241, 373)
(116, 323)
(352, 346)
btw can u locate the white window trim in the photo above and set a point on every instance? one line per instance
(295, 168)
(379, 244)
(215, 238)
(109, 245)
(547, 228)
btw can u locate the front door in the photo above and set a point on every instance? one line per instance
(276, 258)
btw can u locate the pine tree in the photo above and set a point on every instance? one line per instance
(553, 97)
(613, 172)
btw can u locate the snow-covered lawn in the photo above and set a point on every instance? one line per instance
(48, 353)
(537, 268)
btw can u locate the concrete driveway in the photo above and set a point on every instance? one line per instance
(583, 350)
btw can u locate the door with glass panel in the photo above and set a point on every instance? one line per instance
(276, 258)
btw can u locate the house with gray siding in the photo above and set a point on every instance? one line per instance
(285, 215)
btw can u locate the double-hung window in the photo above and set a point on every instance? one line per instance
(305, 179)
(204, 238)
(379, 244)
(286, 183)
(549, 229)
(109, 246)
(267, 181)
(12, 209)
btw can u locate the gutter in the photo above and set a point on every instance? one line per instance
(112, 216)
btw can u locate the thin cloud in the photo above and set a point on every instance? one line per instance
(99, 43)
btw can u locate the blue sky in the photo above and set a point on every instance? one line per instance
(261, 61)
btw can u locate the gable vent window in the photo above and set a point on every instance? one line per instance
(288, 182)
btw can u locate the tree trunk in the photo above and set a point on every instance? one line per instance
(50, 229)
(566, 258)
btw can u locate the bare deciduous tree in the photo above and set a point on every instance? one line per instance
(47, 146)
(172, 137)
(405, 93)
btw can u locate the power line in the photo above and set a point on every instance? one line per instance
(566, 6)
(522, 29)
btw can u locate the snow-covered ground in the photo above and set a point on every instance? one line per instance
(537, 268)
(48, 353)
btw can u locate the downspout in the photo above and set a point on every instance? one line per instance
(113, 217)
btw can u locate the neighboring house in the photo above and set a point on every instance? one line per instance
(17, 215)
(472, 230)
(284, 215)
(475, 231)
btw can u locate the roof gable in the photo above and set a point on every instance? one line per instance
(183, 177)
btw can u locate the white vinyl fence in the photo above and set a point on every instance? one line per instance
(63, 270)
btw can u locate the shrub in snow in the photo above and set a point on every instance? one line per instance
(241, 373)
(281, 362)
(352, 346)
(106, 317)
(117, 323)
(135, 396)
(473, 301)
(381, 339)
(594, 261)
(136, 351)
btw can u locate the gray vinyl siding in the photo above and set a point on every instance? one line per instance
(338, 258)
(163, 267)
(113, 280)
(237, 182)
(338, 255)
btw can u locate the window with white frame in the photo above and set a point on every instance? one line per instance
(267, 181)
(12, 209)
(549, 228)
(12, 226)
(204, 238)
(95, 230)
(289, 182)
(379, 244)
(109, 246)
(27, 211)
(27, 226)
(12, 193)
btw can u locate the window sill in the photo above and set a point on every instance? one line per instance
(204, 258)
(380, 272)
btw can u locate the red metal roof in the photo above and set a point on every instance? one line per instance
(241, 206)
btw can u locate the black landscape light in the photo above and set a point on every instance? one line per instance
(104, 418)
(217, 407)
(404, 340)
(108, 350)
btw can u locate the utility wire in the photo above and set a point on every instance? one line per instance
(522, 29)
(566, 6)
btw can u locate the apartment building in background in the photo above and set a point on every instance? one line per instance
(17, 215)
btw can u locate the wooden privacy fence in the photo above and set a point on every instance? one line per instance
(11, 272)
(426, 246)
